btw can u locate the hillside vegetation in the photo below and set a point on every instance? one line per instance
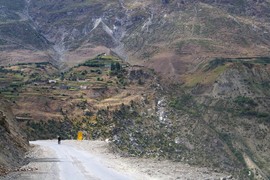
(217, 118)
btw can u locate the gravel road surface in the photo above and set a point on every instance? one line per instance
(92, 160)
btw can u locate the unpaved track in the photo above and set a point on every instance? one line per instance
(91, 160)
(70, 163)
(79, 164)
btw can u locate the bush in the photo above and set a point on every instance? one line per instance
(93, 64)
(242, 100)
(181, 102)
(99, 79)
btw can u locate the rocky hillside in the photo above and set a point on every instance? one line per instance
(173, 79)
(48, 103)
(170, 36)
(13, 142)
(219, 118)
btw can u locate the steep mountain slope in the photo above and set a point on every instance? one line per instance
(219, 118)
(169, 36)
(20, 40)
(13, 142)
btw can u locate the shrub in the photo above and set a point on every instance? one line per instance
(242, 100)
(217, 62)
(182, 101)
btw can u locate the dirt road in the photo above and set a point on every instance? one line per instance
(78, 164)
(91, 160)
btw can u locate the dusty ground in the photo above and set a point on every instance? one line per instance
(44, 160)
(41, 166)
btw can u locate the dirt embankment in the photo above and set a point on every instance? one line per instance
(13, 143)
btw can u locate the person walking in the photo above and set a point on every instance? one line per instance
(59, 140)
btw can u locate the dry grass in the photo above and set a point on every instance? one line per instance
(201, 77)
(73, 58)
(116, 101)
(23, 56)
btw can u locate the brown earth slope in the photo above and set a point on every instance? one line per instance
(13, 143)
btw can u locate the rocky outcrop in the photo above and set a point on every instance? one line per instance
(221, 121)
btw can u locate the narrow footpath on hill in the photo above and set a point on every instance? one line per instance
(92, 160)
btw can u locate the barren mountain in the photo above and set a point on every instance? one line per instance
(170, 36)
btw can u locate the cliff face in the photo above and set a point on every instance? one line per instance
(13, 142)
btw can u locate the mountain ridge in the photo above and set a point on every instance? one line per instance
(192, 31)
